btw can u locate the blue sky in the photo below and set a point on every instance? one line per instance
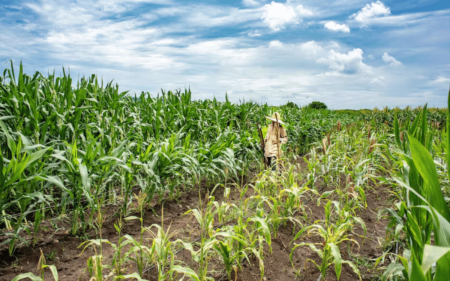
(346, 53)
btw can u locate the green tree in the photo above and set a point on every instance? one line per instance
(317, 105)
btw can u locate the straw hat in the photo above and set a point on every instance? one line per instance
(274, 118)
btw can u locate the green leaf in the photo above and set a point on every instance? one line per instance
(131, 277)
(416, 273)
(313, 247)
(130, 218)
(432, 254)
(36, 156)
(353, 266)
(414, 229)
(4, 118)
(397, 132)
(328, 211)
(412, 129)
(264, 228)
(52, 179)
(379, 259)
(9, 138)
(2, 177)
(442, 268)
(228, 235)
(186, 271)
(18, 172)
(27, 275)
(361, 222)
(448, 134)
(337, 259)
(84, 176)
(423, 132)
(427, 169)
(53, 270)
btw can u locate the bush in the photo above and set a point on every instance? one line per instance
(317, 105)
(292, 105)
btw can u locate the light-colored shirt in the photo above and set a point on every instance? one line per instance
(271, 146)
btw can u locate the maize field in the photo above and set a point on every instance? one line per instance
(101, 184)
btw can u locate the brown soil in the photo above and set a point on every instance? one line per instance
(72, 266)
(278, 265)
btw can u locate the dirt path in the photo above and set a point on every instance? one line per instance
(72, 266)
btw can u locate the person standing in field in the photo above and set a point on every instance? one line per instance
(275, 136)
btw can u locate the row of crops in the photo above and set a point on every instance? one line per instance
(69, 149)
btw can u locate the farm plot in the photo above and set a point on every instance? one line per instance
(99, 185)
(186, 228)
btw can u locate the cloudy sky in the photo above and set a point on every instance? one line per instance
(346, 53)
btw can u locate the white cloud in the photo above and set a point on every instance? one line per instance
(251, 3)
(124, 44)
(422, 21)
(80, 13)
(302, 11)
(77, 12)
(254, 34)
(277, 15)
(391, 60)
(207, 16)
(441, 79)
(378, 80)
(346, 63)
(312, 48)
(195, 52)
(275, 44)
(331, 25)
(373, 10)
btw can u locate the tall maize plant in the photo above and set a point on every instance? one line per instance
(423, 209)
(68, 144)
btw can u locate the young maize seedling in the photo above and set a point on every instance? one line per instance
(205, 218)
(227, 250)
(138, 252)
(262, 227)
(37, 222)
(292, 201)
(201, 256)
(333, 234)
(41, 263)
(95, 263)
(254, 241)
(95, 267)
(118, 259)
(313, 162)
(162, 250)
(275, 217)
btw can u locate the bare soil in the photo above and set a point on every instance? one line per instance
(72, 266)
(278, 265)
